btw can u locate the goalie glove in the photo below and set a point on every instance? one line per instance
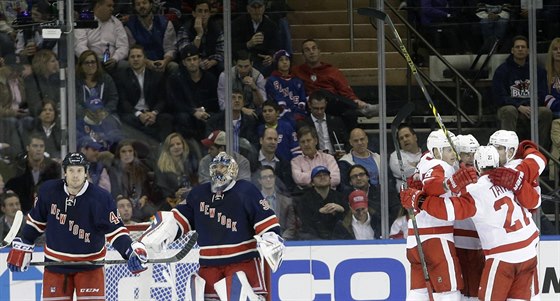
(20, 255)
(508, 178)
(460, 179)
(271, 248)
(138, 258)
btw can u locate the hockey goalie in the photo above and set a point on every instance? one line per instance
(237, 230)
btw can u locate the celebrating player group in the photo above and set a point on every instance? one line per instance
(472, 205)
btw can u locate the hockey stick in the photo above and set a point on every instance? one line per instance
(378, 14)
(175, 258)
(401, 116)
(13, 230)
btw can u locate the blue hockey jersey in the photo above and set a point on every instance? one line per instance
(78, 227)
(226, 223)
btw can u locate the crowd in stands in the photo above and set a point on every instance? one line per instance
(157, 74)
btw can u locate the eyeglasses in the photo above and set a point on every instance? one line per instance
(91, 63)
(358, 175)
(269, 177)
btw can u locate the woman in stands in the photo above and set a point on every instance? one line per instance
(44, 82)
(552, 100)
(130, 178)
(177, 169)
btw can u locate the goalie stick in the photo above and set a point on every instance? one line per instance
(401, 116)
(16, 224)
(381, 15)
(175, 258)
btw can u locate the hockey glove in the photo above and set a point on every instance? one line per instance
(410, 198)
(412, 182)
(138, 258)
(460, 179)
(524, 145)
(506, 177)
(19, 256)
(271, 248)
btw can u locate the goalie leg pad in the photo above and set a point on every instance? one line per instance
(236, 288)
(161, 232)
(196, 288)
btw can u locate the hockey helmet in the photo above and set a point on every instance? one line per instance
(467, 144)
(486, 157)
(507, 139)
(75, 159)
(438, 139)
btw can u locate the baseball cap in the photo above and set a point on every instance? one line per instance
(253, 2)
(216, 137)
(94, 105)
(358, 199)
(319, 169)
(280, 53)
(93, 145)
(189, 51)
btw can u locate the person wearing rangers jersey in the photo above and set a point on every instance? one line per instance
(227, 214)
(77, 219)
(507, 232)
(436, 171)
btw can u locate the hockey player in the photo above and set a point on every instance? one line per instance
(77, 219)
(508, 235)
(228, 215)
(436, 171)
(467, 242)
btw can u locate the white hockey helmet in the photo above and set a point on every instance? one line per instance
(467, 144)
(223, 170)
(486, 157)
(507, 139)
(437, 139)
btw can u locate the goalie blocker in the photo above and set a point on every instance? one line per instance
(227, 214)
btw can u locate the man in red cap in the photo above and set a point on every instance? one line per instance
(216, 143)
(360, 222)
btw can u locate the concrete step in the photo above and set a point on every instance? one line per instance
(331, 17)
(343, 44)
(395, 76)
(356, 59)
(316, 5)
(337, 31)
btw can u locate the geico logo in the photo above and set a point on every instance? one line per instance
(342, 277)
(89, 290)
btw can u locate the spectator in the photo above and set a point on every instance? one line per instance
(244, 126)
(98, 173)
(438, 20)
(511, 92)
(278, 11)
(29, 38)
(552, 100)
(360, 154)
(130, 178)
(216, 143)
(318, 75)
(32, 171)
(204, 32)
(256, 33)
(288, 146)
(267, 157)
(330, 129)
(109, 35)
(141, 102)
(410, 153)
(192, 95)
(494, 21)
(2, 184)
(14, 110)
(286, 89)
(93, 85)
(360, 222)
(47, 125)
(399, 228)
(99, 126)
(125, 208)
(310, 158)
(9, 204)
(44, 83)
(155, 33)
(177, 169)
(247, 79)
(281, 204)
(320, 207)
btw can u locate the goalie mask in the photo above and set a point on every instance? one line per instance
(223, 171)
(486, 157)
